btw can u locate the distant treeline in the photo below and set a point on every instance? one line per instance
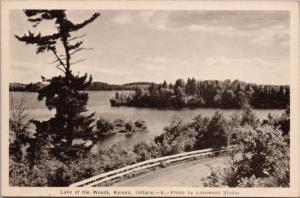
(95, 86)
(206, 94)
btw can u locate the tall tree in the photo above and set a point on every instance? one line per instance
(69, 131)
(165, 84)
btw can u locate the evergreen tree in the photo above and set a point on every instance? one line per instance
(165, 85)
(69, 131)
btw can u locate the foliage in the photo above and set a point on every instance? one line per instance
(94, 86)
(117, 157)
(217, 132)
(129, 126)
(23, 174)
(209, 94)
(249, 117)
(140, 124)
(262, 159)
(18, 136)
(104, 125)
(199, 125)
(281, 123)
(145, 151)
(177, 138)
(119, 122)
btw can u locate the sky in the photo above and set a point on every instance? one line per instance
(156, 45)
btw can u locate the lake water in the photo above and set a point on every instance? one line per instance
(99, 102)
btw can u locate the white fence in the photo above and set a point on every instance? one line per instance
(96, 180)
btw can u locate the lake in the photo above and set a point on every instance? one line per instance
(99, 102)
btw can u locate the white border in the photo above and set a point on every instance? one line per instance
(292, 7)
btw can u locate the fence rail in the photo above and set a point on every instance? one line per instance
(95, 180)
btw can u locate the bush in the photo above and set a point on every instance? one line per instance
(177, 138)
(140, 124)
(262, 159)
(119, 123)
(199, 125)
(129, 126)
(116, 157)
(217, 132)
(22, 174)
(249, 117)
(146, 151)
(18, 129)
(104, 125)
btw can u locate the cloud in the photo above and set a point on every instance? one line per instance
(243, 20)
(215, 67)
(23, 71)
(164, 68)
(163, 63)
(147, 14)
(153, 67)
(263, 28)
(122, 18)
(110, 71)
(248, 69)
(278, 34)
(225, 31)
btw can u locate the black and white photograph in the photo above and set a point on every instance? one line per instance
(149, 97)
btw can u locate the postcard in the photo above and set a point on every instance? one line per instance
(150, 98)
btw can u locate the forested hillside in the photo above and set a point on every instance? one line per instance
(95, 86)
(208, 94)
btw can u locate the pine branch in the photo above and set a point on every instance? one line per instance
(75, 46)
(75, 27)
(31, 13)
(31, 38)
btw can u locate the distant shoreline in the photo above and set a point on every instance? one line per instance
(95, 86)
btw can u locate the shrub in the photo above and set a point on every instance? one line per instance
(177, 138)
(262, 159)
(199, 125)
(104, 125)
(18, 129)
(129, 126)
(140, 124)
(20, 173)
(119, 123)
(217, 132)
(249, 117)
(116, 157)
(146, 151)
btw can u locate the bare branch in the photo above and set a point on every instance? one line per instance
(79, 61)
(57, 66)
(79, 49)
(58, 58)
(77, 37)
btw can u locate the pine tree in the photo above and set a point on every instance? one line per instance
(70, 132)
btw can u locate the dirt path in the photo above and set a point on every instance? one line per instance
(187, 174)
